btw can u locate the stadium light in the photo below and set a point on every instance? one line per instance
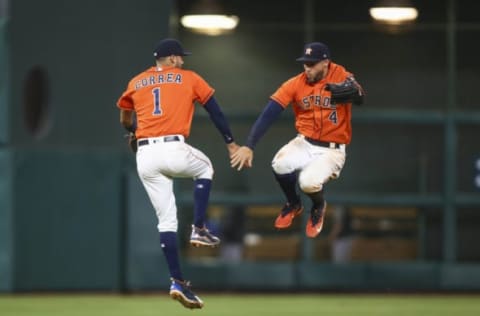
(206, 17)
(394, 12)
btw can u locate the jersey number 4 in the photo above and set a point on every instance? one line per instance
(333, 117)
(157, 108)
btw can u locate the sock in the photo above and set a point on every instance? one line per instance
(168, 242)
(201, 195)
(317, 199)
(288, 183)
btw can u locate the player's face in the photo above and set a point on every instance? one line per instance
(178, 61)
(316, 71)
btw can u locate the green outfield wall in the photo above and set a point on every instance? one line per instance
(67, 220)
(4, 81)
(63, 66)
(6, 222)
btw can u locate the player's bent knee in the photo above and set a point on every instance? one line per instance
(206, 172)
(167, 227)
(309, 185)
(281, 168)
(311, 188)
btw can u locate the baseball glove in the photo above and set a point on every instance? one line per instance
(132, 141)
(346, 92)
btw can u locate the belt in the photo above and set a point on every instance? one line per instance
(164, 139)
(322, 144)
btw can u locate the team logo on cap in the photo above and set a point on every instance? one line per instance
(308, 51)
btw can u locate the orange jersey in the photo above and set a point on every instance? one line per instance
(315, 117)
(164, 99)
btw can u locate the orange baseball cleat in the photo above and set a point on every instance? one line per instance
(286, 216)
(315, 222)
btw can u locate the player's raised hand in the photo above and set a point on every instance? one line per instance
(232, 148)
(243, 157)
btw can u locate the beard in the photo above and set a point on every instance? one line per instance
(315, 79)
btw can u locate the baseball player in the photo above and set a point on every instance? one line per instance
(162, 99)
(321, 98)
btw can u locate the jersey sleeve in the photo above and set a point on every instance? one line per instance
(285, 94)
(339, 74)
(125, 102)
(202, 90)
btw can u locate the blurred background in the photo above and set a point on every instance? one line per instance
(404, 215)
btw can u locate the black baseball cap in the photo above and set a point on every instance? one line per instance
(168, 47)
(314, 52)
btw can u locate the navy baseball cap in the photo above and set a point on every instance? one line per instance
(168, 47)
(314, 52)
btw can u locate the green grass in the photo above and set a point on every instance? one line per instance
(242, 305)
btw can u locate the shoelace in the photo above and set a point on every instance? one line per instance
(204, 232)
(315, 216)
(187, 290)
(288, 208)
(184, 283)
(207, 234)
(199, 231)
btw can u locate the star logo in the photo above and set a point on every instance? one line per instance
(308, 51)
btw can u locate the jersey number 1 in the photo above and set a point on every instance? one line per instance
(157, 109)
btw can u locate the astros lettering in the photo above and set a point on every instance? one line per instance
(316, 100)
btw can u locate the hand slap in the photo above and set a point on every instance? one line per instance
(243, 157)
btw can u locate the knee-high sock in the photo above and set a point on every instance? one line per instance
(168, 242)
(201, 195)
(317, 199)
(288, 183)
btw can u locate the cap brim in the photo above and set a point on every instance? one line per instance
(182, 54)
(308, 59)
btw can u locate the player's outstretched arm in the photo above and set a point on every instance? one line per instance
(220, 121)
(243, 157)
(232, 148)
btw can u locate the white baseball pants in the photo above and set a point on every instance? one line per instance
(316, 164)
(158, 163)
